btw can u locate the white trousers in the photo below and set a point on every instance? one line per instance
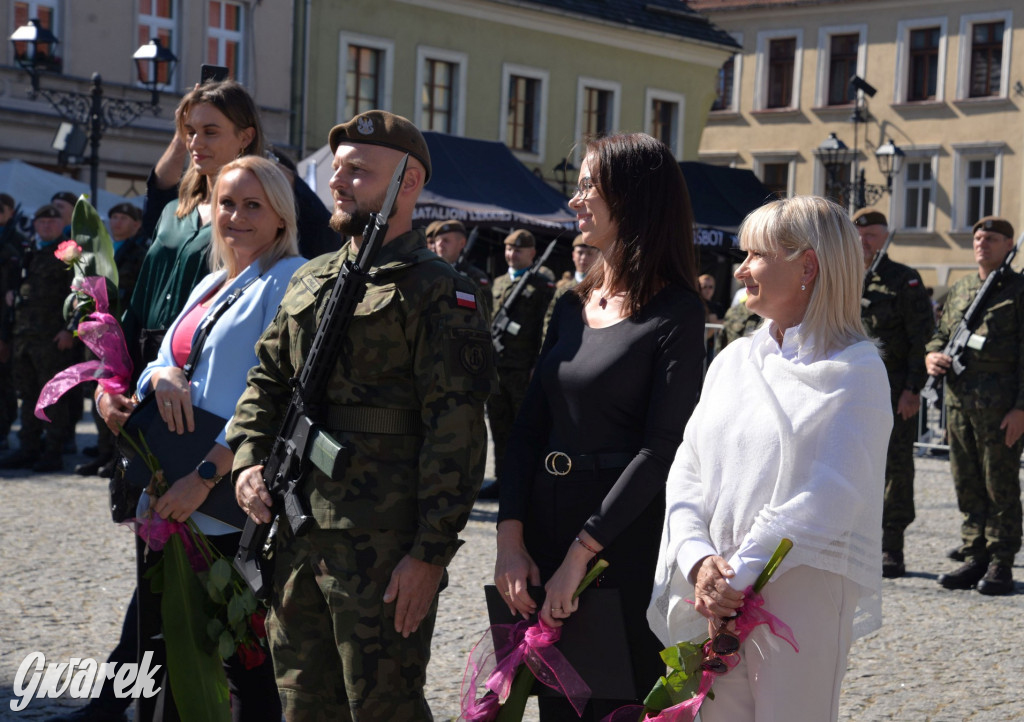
(772, 683)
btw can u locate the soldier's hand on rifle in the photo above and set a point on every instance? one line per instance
(413, 587)
(1013, 423)
(937, 363)
(174, 398)
(252, 495)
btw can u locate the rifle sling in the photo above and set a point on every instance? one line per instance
(373, 420)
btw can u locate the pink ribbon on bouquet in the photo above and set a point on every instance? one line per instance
(102, 334)
(499, 654)
(753, 615)
(157, 531)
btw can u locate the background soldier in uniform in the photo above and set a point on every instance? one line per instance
(739, 321)
(985, 415)
(42, 346)
(583, 259)
(449, 240)
(354, 599)
(516, 361)
(895, 309)
(12, 245)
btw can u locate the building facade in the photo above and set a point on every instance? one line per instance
(940, 78)
(253, 39)
(538, 76)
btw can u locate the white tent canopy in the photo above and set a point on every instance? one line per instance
(32, 187)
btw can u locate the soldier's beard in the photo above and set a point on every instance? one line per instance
(353, 224)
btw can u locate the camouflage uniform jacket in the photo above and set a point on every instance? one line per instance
(12, 245)
(896, 310)
(483, 290)
(561, 288)
(739, 321)
(994, 374)
(411, 346)
(521, 348)
(39, 302)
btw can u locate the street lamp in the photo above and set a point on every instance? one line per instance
(836, 155)
(561, 171)
(34, 48)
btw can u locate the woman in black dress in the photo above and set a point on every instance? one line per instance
(584, 476)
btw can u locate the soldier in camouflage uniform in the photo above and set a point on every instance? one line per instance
(985, 414)
(583, 259)
(12, 245)
(515, 362)
(449, 240)
(43, 345)
(354, 599)
(739, 321)
(895, 309)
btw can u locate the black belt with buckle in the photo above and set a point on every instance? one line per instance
(558, 463)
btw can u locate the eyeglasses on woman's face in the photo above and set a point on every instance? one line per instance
(583, 189)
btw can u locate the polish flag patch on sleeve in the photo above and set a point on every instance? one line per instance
(466, 300)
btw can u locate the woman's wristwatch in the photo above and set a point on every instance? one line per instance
(207, 471)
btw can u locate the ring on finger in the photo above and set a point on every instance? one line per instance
(167, 403)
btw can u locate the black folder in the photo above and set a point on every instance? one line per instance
(180, 454)
(594, 641)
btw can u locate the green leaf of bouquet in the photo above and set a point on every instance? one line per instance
(89, 232)
(236, 610)
(213, 629)
(215, 592)
(220, 573)
(658, 699)
(776, 559)
(225, 644)
(196, 673)
(249, 603)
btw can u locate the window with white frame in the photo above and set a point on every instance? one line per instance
(158, 19)
(727, 83)
(45, 11)
(365, 72)
(663, 118)
(920, 60)
(776, 171)
(224, 36)
(977, 172)
(597, 107)
(918, 192)
(841, 54)
(441, 79)
(524, 100)
(779, 63)
(984, 66)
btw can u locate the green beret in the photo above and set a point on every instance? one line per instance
(520, 239)
(47, 211)
(379, 127)
(868, 217)
(994, 224)
(132, 211)
(450, 227)
(66, 196)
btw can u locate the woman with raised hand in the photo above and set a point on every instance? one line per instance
(584, 476)
(788, 441)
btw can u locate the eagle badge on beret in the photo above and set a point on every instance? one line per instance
(365, 126)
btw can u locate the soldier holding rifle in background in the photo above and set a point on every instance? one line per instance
(354, 599)
(978, 353)
(895, 310)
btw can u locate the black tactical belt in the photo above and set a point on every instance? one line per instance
(558, 463)
(373, 420)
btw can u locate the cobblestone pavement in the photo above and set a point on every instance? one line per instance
(941, 656)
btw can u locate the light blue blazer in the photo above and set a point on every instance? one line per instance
(230, 350)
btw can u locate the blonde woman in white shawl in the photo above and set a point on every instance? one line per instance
(788, 440)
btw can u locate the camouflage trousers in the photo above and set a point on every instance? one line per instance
(34, 362)
(898, 502)
(502, 408)
(986, 474)
(336, 653)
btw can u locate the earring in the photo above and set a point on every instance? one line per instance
(803, 287)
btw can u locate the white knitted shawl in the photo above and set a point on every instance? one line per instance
(779, 448)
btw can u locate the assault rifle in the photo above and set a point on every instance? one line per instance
(300, 441)
(961, 338)
(878, 256)
(503, 322)
(462, 263)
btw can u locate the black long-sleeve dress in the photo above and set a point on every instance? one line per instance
(625, 391)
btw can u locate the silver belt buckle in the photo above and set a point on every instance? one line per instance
(551, 463)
